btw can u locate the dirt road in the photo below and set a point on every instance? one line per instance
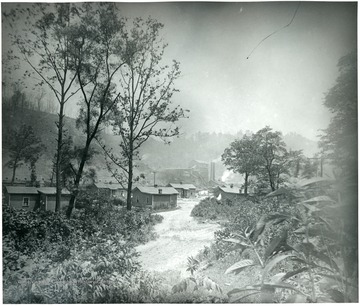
(180, 236)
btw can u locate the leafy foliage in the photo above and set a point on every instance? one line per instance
(31, 231)
(318, 257)
(262, 155)
(96, 39)
(87, 259)
(241, 157)
(339, 141)
(24, 147)
(210, 209)
(145, 107)
(197, 289)
(277, 160)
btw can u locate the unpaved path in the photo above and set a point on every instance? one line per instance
(180, 236)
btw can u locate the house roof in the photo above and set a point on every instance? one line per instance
(21, 190)
(112, 186)
(51, 190)
(183, 186)
(155, 190)
(233, 190)
(33, 190)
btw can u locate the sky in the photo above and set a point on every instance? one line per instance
(284, 81)
(282, 84)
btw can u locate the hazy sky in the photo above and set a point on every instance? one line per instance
(284, 81)
(282, 84)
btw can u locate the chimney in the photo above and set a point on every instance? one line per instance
(160, 191)
(231, 185)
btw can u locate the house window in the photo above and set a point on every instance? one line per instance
(137, 199)
(147, 200)
(25, 202)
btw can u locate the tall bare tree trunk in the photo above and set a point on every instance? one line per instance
(246, 183)
(58, 169)
(13, 176)
(129, 187)
(271, 179)
(79, 174)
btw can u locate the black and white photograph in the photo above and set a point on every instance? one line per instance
(179, 152)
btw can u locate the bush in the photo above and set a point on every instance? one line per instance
(25, 233)
(279, 244)
(93, 274)
(213, 210)
(240, 215)
(88, 259)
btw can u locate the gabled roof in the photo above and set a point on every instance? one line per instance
(51, 190)
(155, 190)
(183, 186)
(21, 190)
(232, 190)
(33, 190)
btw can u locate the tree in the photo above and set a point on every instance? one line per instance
(97, 54)
(339, 141)
(276, 159)
(24, 147)
(42, 33)
(144, 107)
(310, 167)
(242, 157)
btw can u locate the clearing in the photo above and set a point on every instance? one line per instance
(180, 236)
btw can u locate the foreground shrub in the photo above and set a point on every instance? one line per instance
(30, 231)
(302, 252)
(212, 209)
(88, 259)
(135, 226)
(95, 271)
(197, 289)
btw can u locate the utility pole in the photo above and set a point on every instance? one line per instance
(321, 166)
(154, 178)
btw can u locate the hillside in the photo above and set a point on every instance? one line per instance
(155, 155)
(44, 127)
(296, 141)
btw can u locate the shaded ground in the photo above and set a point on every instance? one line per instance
(180, 236)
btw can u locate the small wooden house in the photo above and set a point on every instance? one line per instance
(154, 197)
(228, 193)
(47, 197)
(184, 190)
(27, 197)
(21, 197)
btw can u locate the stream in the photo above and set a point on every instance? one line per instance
(180, 236)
